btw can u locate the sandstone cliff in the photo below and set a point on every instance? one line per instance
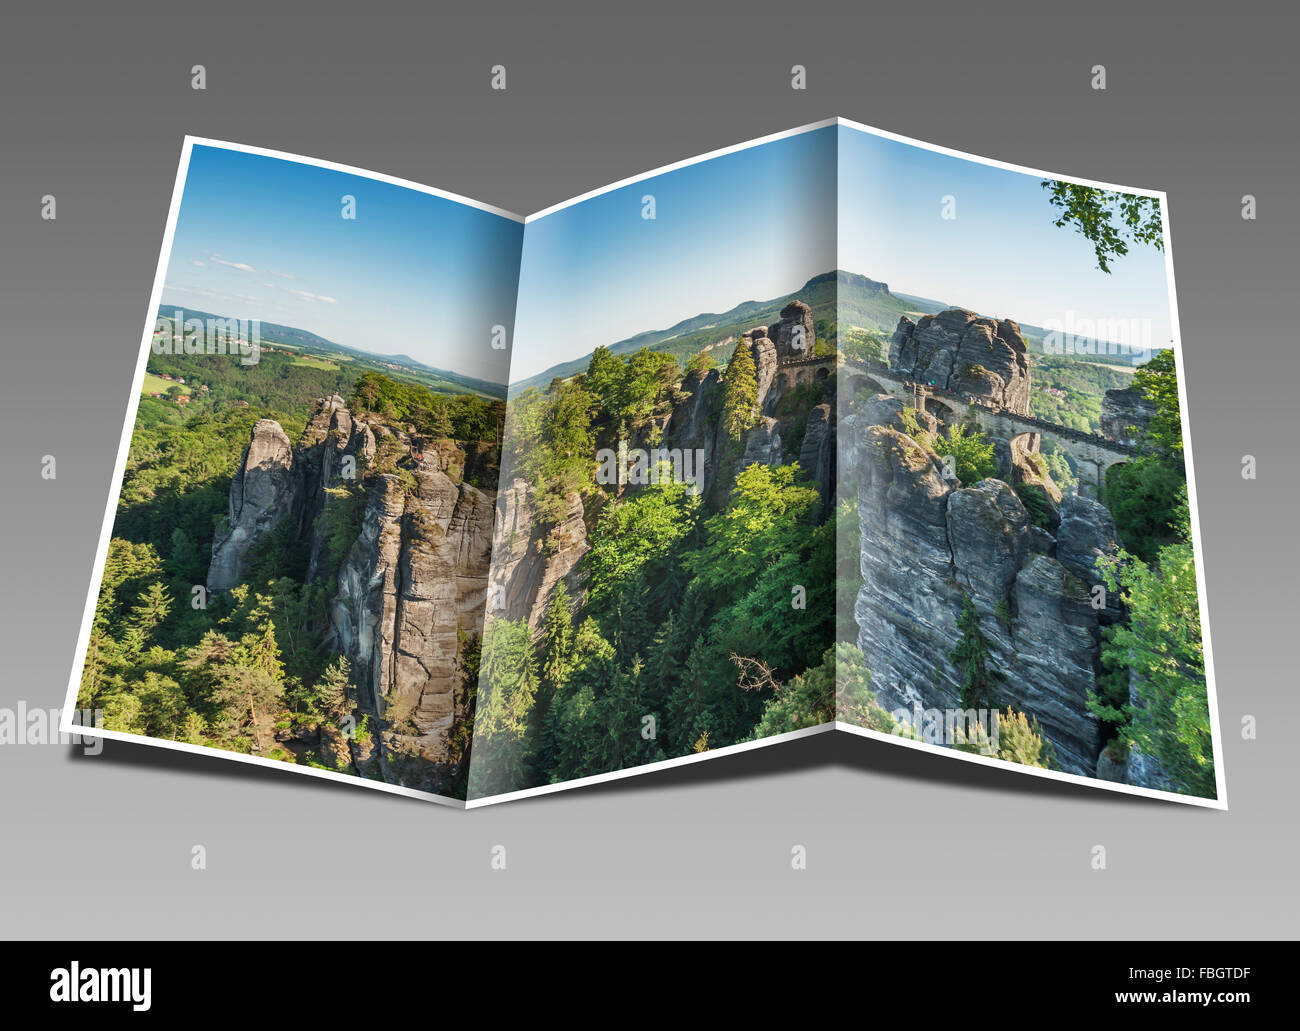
(533, 556)
(785, 430)
(408, 591)
(411, 594)
(261, 494)
(927, 540)
(1122, 409)
(966, 353)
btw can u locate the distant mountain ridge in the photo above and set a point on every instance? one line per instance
(848, 298)
(825, 294)
(278, 335)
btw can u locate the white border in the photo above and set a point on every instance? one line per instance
(662, 764)
(66, 725)
(686, 163)
(334, 166)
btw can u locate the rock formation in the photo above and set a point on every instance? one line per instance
(817, 453)
(793, 335)
(965, 353)
(533, 556)
(1122, 409)
(925, 542)
(410, 591)
(773, 440)
(261, 494)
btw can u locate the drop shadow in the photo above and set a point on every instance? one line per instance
(145, 756)
(859, 755)
(834, 750)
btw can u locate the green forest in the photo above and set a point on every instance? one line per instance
(706, 619)
(247, 669)
(692, 635)
(1160, 643)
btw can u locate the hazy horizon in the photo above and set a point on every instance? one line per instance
(413, 273)
(717, 242)
(742, 226)
(1000, 256)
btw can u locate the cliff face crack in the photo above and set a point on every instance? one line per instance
(926, 541)
(408, 589)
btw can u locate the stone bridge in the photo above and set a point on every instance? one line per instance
(806, 370)
(1093, 454)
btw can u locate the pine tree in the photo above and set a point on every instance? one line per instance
(557, 639)
(740, 392)
(971, 658)
(151, 609)
(1021, 740)
(330, 697)
(247, 699)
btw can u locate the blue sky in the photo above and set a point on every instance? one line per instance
(746, 226)
(416, 274)
(1000, 256)
(758, 223)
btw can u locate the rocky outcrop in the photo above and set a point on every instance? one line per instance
(793, 334)
(261, 494)
(762, 446)
(408, 594)
(1026, 471)
(965, 353)
(533, 556)
(411, 592)
(364, 613)
(334, 449)
(817, 453)
(1086, 533)
(927, 542)
(765, 363)
(988, 534)
(695, 422)
(1123, 410)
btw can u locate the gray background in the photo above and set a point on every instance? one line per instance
(93, 108)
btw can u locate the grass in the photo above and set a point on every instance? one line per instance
(311, 361)
(157, 385)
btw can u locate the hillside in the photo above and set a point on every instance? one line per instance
(860, 303)
(401, 365)
(866, 299)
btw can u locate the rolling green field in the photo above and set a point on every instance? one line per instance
(312, 362)
(156, 384)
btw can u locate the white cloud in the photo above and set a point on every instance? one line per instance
(307, 295)
(241, 266)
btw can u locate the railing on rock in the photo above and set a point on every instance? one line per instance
(883, 372)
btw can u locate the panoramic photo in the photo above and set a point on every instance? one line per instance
(831, 429)
(299, 558)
